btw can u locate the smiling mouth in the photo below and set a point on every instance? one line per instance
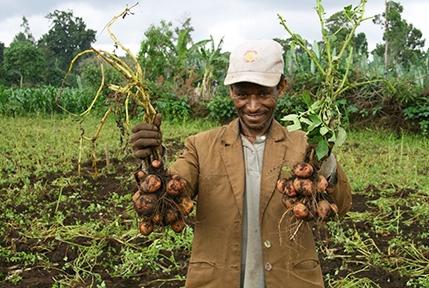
(255, 116)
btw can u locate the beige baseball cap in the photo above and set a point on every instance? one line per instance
(256, 61)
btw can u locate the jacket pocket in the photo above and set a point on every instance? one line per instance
(307, 273)
(200, 274)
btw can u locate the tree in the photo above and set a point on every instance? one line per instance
(1, 52)
(403, 42)
(67, 36)
(157, 52)
(213, 64)
(2, 74)
(168, 53)
(339, 25)
(26, 35)
(24, 63)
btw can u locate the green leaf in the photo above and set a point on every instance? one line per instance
(315, 119)
(290, 117)
(316, 106)
(306, 121)
(322, 149)
(323, 130)
(295, 119)
(294, 126)
(332, 38)
(306, 98)
(341, 137)
(348, 8)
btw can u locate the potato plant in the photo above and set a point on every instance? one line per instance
(307, 195)
(160, 198)
(305, 192)
(322, 120)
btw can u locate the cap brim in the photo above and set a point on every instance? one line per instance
(263, 79)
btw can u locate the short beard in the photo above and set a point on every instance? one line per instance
(264, 127)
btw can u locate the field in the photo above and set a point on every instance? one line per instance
(61, 229)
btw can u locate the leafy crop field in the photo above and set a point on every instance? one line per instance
(61, 229)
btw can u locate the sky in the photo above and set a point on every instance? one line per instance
(234, 20)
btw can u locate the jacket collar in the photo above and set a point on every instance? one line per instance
(232, 132)
(275, 149)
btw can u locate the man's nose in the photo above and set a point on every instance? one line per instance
(253, 103)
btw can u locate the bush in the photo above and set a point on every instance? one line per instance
(418, 114)
(173, 108)
(289, 104)
(221, 108)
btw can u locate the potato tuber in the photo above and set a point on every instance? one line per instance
(186, 205)
(157, 218)
(290, 189)
(321, 184)
(281, 185)
(323, 209)
(140, 176)
(161, 198)
(146, 204)
(156, 164)
(304, 187)
(146, 227)
(178, 225)
(175, 186)
(303, 170)
(300, 210)
(136, 196)
(170, 216)
(151, 184)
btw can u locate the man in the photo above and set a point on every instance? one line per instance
(232, 171)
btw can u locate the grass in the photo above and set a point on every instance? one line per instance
(385, 158)
(65, 230)
(385, 235)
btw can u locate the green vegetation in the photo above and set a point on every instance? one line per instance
(71, 230)
(186, 77)
(322, 121)
(62, 229)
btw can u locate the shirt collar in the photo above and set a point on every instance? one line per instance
(232, 132)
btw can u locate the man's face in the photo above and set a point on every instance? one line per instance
(255, 105)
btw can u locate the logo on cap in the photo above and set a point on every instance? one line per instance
(250, 56)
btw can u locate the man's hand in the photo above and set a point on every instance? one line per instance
(146, 137)
(329, 169)
(326, 167)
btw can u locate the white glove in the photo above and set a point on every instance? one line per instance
(329, 169)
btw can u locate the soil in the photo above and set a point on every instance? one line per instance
(60, 252)
(378, 275)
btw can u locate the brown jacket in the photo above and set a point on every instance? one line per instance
(213, 165)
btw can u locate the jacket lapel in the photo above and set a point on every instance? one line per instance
(232, 156)
(275, 150)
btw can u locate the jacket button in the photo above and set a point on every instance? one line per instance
(267, 244)
(268, 266)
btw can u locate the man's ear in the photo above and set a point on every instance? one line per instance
(282, 86)
(230, 91)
